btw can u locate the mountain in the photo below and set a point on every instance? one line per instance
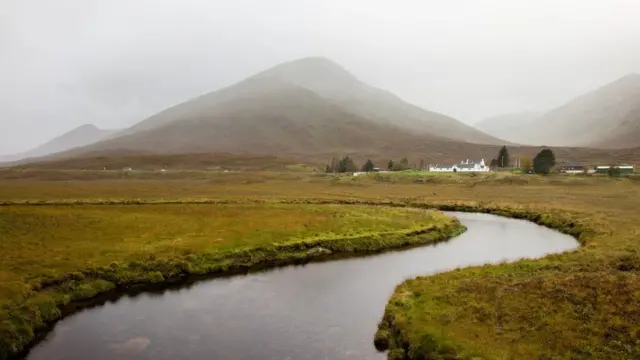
(608, 117)
(336, 84)
(509, 126)
(80, 136)
(302, 108)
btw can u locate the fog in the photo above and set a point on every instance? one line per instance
(112, 63)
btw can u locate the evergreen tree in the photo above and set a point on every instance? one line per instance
(346, 164)
(421, 164)
(494, 163)
(503, 157)
(368, 166)
(544, 161)
(390, 165)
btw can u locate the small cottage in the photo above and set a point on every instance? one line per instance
(463, 166)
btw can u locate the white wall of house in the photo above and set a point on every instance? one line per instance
(573, 171)
(478, 167)
(442, 169)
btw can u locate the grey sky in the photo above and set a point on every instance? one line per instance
(112, 63)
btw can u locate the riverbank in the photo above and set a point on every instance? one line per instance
(567, 306)
(572, 306)
(95, 249)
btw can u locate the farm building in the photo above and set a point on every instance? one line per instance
(464, 166)
(624, 169)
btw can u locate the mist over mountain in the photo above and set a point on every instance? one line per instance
(607, 117)
(304, 107)
(83, 135)
(509, 126)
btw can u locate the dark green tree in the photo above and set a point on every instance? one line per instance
(346, 164)
(494, 163)
(544, 161)
(390, 165)
(404, 162)
(368, 166)
(503, 157)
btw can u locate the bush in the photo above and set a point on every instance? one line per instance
(396, 354)
(381, 340)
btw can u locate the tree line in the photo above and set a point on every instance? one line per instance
(346, 165)
(542, 163)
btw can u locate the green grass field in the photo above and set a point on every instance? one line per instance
(581, 305)
(52, 255)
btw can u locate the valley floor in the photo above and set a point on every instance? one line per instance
(580, 305)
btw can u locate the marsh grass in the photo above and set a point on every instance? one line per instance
(581, 305)
(52, 255)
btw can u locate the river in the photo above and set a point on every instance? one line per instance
(327, 310)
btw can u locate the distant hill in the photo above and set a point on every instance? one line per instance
(80, 136)
(608, 117)
(509, 126)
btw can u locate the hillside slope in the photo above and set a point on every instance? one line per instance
(333, 82)
(608, 117)
(336, 85)
(80, 136)
(266, 116)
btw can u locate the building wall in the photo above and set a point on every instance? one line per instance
(441, 169)
(623, 170)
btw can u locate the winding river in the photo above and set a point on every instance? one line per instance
(326, 310)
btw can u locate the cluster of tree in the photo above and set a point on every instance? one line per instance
(403, 164)
(542, 163)
(343, 165)
(346, 164)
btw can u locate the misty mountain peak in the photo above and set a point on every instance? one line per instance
(315, 73)
(87, 127)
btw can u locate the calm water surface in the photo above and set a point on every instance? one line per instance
(319, 311)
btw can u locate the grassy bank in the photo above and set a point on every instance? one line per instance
(581, 305)
(54, 255)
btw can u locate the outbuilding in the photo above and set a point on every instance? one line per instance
(624, 169)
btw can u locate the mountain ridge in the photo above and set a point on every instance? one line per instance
(80, 136)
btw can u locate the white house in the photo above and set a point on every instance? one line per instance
(464, 166)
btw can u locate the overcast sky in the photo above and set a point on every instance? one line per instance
(112, 63)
